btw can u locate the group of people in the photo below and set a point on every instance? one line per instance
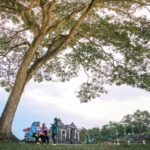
(38, 132)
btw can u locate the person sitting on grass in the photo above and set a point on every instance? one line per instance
(55, 130)
(38, 133)
(26, 136)
(45, 138)
(32, 131)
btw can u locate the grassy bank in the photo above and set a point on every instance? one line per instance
(24, 146)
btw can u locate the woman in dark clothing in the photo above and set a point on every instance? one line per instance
(45, 138)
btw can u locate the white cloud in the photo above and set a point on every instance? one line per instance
(60, 98)
(44, 101)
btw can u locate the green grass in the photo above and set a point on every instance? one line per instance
(24, 146)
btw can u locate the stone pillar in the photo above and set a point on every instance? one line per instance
(78, 136)
(61, 136)
(65, 135)
(69, 133)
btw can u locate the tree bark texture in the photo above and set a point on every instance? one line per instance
(8, 114)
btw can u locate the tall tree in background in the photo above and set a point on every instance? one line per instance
(138, 123)
(111, 131)
(83, 135)
(56, 39)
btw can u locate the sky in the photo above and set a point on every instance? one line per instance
(44, 101)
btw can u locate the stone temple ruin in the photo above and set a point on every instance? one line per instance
(68, 133)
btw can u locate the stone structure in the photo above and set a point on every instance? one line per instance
(68, 133)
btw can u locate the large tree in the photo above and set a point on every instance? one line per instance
(137, 123)
(55, 39)
(112, 130)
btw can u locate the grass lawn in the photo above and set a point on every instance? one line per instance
(25, 146)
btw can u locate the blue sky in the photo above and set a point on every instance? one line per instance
(44, 101)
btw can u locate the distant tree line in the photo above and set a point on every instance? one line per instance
(136, 123)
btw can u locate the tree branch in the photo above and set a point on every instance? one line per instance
(27, 17)
(51, 54)
(15, 46)
(47, 14)
(63, 21)
(33, 4)
(140, 3)
(125, 13)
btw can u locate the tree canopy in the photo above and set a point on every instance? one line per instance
(108, 40)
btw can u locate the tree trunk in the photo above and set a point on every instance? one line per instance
(15, 95)
(10, 109)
